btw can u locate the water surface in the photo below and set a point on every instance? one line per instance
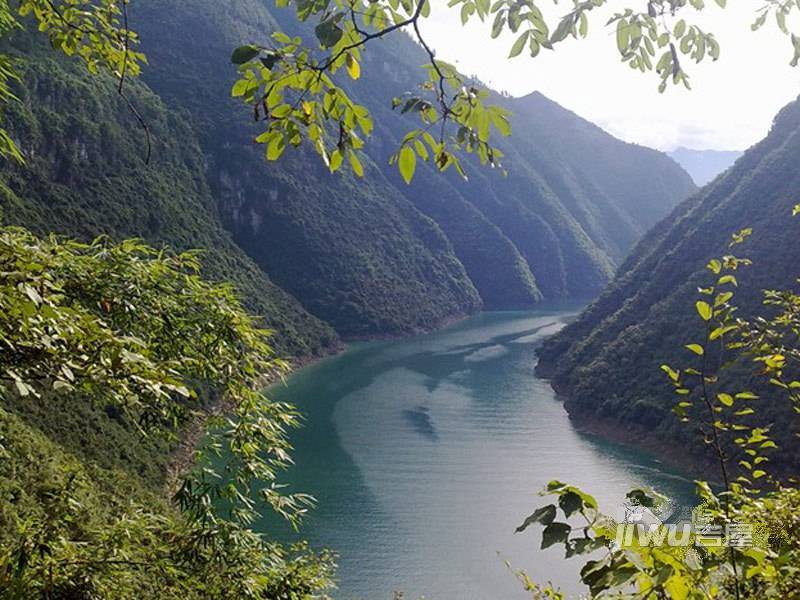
(425, 453)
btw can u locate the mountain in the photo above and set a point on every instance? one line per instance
(704, 165)
(84, 176)
(606, 363)
(377, 256)
(311, 251)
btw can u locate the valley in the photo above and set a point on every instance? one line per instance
(449, 325)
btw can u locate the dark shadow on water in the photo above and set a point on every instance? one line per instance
(420, 420)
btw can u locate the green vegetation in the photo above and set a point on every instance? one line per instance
(95, 32)
(133, 346)
(736, 424)
(366, 256)
(83, 176)
(607, 363)
(291, 88)
(137, 333)
(370, 259)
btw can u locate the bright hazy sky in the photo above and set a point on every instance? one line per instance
(730, 106)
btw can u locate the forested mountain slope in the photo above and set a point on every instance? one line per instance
(384, 257)
(369, 257)
(358, 253)
(85, 176)
(607, 362)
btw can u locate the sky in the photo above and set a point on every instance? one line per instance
(730, 107)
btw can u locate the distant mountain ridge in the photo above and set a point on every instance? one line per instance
(704, 165)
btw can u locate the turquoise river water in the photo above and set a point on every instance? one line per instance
(425, 453)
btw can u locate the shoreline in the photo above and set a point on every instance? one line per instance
(670, 455)
(182, 457)
(634, 437)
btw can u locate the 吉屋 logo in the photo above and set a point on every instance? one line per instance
(667, 525)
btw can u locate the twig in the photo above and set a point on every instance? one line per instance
(120, 90)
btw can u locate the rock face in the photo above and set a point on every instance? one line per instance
(607, 362)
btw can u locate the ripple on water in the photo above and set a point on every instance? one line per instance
(425, 453)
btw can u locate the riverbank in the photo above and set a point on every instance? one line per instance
(669, 454)
(182, 457)
(635, 437)
(676, 456)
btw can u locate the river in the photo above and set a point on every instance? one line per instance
(425, 453)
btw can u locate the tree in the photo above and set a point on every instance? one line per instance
(294, 89)
(705, 565)
(139, 330)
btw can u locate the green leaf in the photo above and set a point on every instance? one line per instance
(244, 54)
(328, 33)
(22, 388)
(353, 68)
(696, 348)
(671, 373)
(407, 162)
(543, 515)
(276, 146)
(358, 169)
(499, 23)
(725, 399)
(623, 36)
(336, 160)
(519, 44)
(570, 503)
(720, 331)
(704, 310)
(555, 533)
(563, 30)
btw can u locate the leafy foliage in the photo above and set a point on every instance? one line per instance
(138, 330)
(732, 426)
(292, 89)
(83, 177)
(94, 31)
